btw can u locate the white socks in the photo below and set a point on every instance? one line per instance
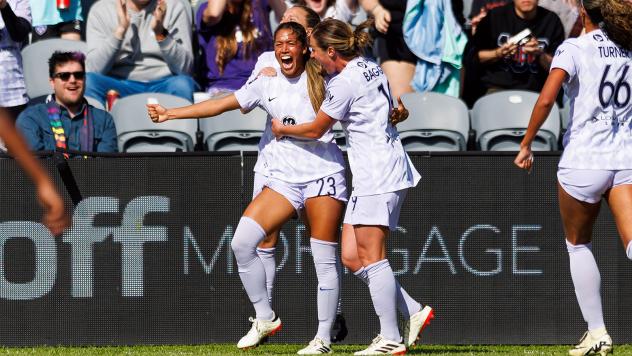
(269, 265)
(384, 296)
(248, 235)
(326, 265)
(587, 282)
(406, 305)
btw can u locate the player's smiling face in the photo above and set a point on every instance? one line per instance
(289, 52)
(323, 56)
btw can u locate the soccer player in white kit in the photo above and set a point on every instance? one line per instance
(596, 162)
(297, 174)
(358, 96)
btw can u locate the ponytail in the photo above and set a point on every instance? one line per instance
(617, 21)
(315, 84)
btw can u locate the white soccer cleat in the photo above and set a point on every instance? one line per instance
(260, 330)
(382, 346)
(316, 347)
(416, 324)
(588, 345)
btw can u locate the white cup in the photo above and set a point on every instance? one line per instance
(152, 101)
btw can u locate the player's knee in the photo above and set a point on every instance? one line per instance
(245, 240)
(351, 261)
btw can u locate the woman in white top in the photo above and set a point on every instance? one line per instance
(296, 174)
(596, 71)
(358, 96)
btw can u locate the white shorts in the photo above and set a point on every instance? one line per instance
(379, 209)
(333, 185)
(589, 185)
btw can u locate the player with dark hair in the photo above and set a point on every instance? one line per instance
(294, 174)
(596, 71)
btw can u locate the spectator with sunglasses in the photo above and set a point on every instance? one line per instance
(66, 120)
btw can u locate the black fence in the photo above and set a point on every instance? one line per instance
(148, 260)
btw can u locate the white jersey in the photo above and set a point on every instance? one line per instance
(290, 160)
(600, 88)
(359, 97)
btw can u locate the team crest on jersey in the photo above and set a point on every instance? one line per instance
(288, 121)
(599, 38)
(363, 65)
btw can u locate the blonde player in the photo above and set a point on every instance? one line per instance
(358, 96)
(597, 74)
(55, 217)
(295, 174)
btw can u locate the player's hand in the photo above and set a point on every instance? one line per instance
(55, 217)
(382, 18)
(158, 17)
(532, 47)
(506, 50)
(123, 18)
(477, 19)
(524, 159)
(267, 72)
(157, 113)
(277, 126)
(398, 114)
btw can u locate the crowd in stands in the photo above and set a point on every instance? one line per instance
(180, 47)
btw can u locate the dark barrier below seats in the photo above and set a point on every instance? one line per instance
(147, 260)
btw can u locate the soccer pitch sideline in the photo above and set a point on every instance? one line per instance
(286, 349)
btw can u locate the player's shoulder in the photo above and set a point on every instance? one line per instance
(266, 59)
(360, 70)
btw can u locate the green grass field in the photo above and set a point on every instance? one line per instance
(280, 349)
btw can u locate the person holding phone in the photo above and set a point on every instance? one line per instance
(507, 64)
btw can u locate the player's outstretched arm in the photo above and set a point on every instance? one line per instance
(208, 108)
(55, 217)
(313, 130)
(541, 111)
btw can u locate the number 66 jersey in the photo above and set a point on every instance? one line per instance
(600, 88)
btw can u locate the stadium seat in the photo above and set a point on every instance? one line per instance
(35, 61)
(437, 122)
(234, 131)
(501, 119)
(137, 133)
(95, 102)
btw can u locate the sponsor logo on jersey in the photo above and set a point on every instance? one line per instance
(288, 120)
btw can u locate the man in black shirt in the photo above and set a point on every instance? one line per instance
(507, 65)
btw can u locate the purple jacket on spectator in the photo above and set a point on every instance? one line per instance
(238, 69)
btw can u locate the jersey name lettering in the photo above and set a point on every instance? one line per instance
(611, 51)
(372, 73)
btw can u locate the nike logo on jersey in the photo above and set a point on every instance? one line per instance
(270, 99)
